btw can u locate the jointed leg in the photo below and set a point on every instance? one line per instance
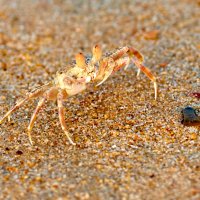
(148, 73)
(61, 113)
(137, 59)
(33, 118)
(122, 62)
(32, 95)
(119, 53)
(132, 53)
(118, 61)
(138, 72)
(13, 109)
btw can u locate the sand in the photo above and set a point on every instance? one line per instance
(129, 146)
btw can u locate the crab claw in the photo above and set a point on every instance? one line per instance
(80, 60)
(107, 74)
(106, 71)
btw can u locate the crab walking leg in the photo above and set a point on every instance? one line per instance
(138, 72)
(35, 94)
(148, 73)
(122, 62)
(33, 118)
(12, 110)
(132, 53)
(61, 114)
(119, 53)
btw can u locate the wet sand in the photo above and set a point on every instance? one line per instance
(129, 146)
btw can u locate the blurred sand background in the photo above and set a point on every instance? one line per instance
(129, 145)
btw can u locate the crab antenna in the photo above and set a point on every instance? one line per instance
(80, 60)
(97, 53)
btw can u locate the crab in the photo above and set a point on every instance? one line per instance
(74, 79)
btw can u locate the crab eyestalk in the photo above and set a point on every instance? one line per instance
(80, 60)
(97, 53)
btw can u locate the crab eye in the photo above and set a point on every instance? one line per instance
(97, 52)
(80, 60)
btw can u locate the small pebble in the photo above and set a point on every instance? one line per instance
(190, 117)
(18, 152)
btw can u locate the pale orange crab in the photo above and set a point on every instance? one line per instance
(74, 80)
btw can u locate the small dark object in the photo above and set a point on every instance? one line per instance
(152, 176)
(190, 117)
(195, 94)
(18, 152)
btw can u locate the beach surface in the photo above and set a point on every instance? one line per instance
(129, 146)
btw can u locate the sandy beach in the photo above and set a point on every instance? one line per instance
(129, 146)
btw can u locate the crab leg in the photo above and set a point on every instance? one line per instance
(132, 53)
(148, 73)
(121, 63)
(61, 113)
(33, 118)
(119, 53)
(138, 59)
(34, 94)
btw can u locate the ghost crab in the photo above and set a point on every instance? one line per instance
(74, 79)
